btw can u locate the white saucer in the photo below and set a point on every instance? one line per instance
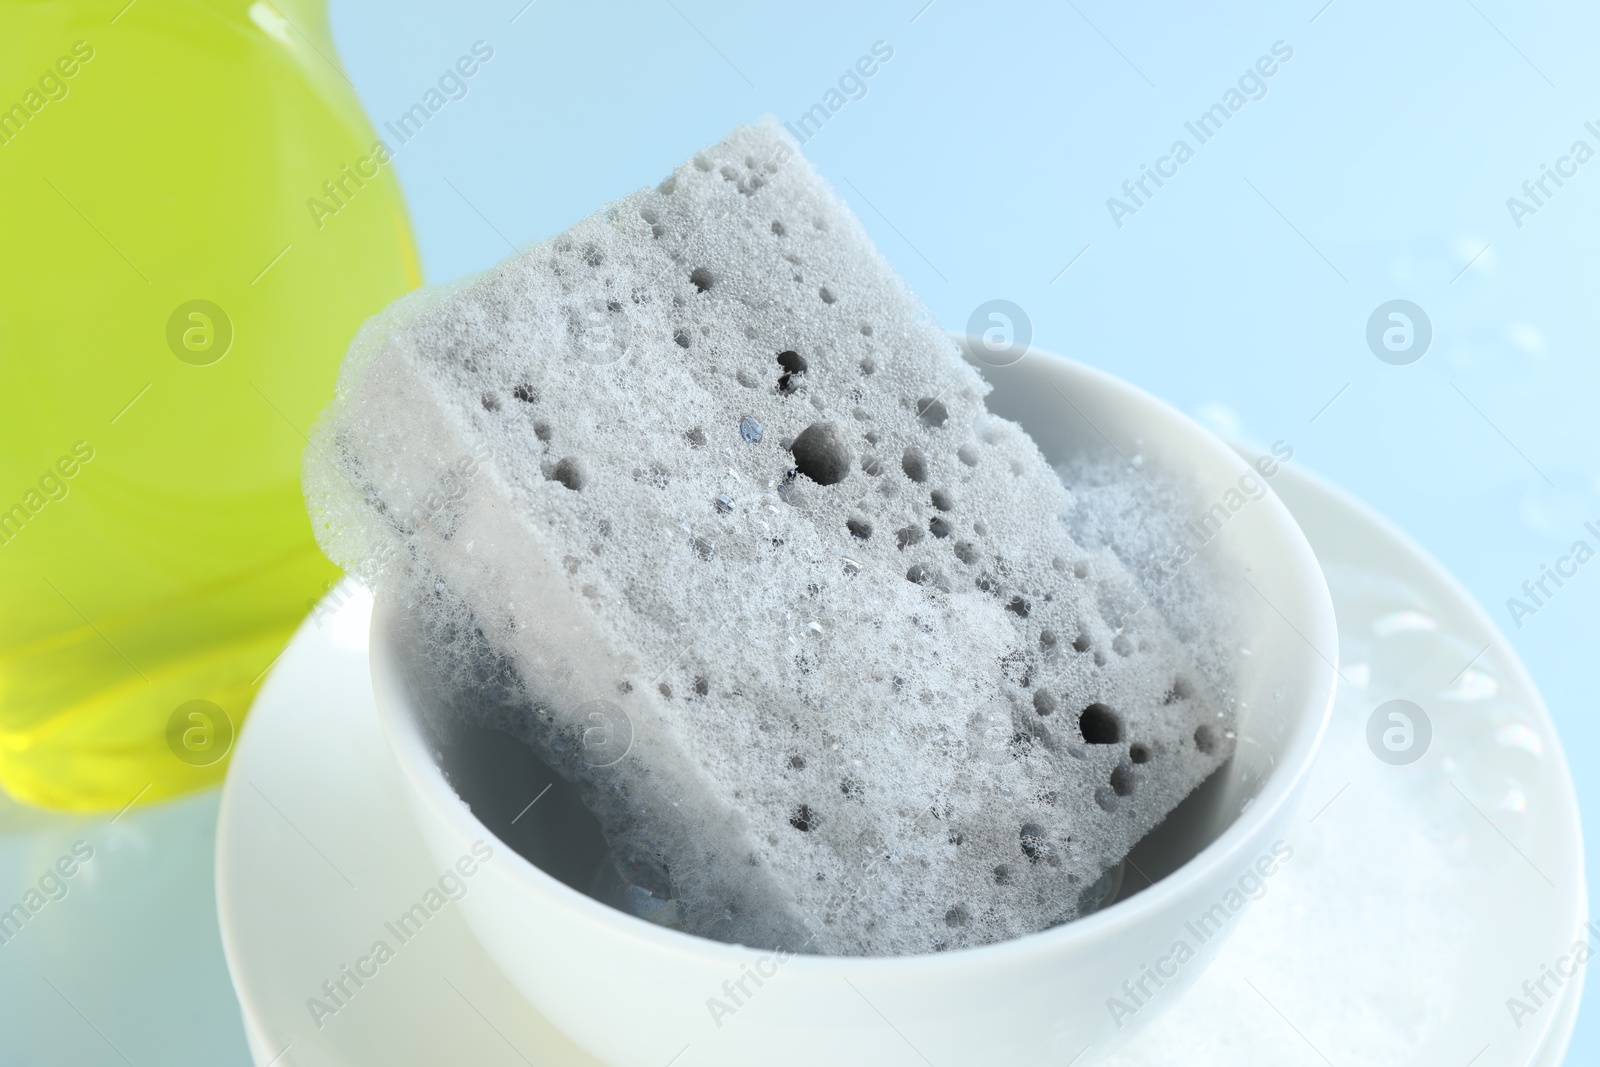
(1419, 899)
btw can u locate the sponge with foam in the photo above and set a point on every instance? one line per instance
(697, 500)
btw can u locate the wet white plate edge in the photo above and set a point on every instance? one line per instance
(1462, 872)
(1421, 896)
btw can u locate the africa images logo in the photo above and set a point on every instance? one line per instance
(1399, 332)
(1144, 987)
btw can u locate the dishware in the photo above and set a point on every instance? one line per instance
(1034, 999)
(313, 785)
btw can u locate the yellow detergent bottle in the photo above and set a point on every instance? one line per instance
(197, 218)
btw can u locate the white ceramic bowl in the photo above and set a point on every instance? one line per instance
(638, 995)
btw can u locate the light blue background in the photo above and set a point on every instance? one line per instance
(981, 160)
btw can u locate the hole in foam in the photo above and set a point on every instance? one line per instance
(1099, 725)
(915, 465)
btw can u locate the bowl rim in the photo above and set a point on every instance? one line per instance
(1278, 791)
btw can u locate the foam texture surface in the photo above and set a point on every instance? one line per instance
(697, 500)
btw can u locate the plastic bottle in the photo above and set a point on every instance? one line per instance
(173, 310)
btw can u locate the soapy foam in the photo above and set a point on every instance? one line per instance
(703, 467)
